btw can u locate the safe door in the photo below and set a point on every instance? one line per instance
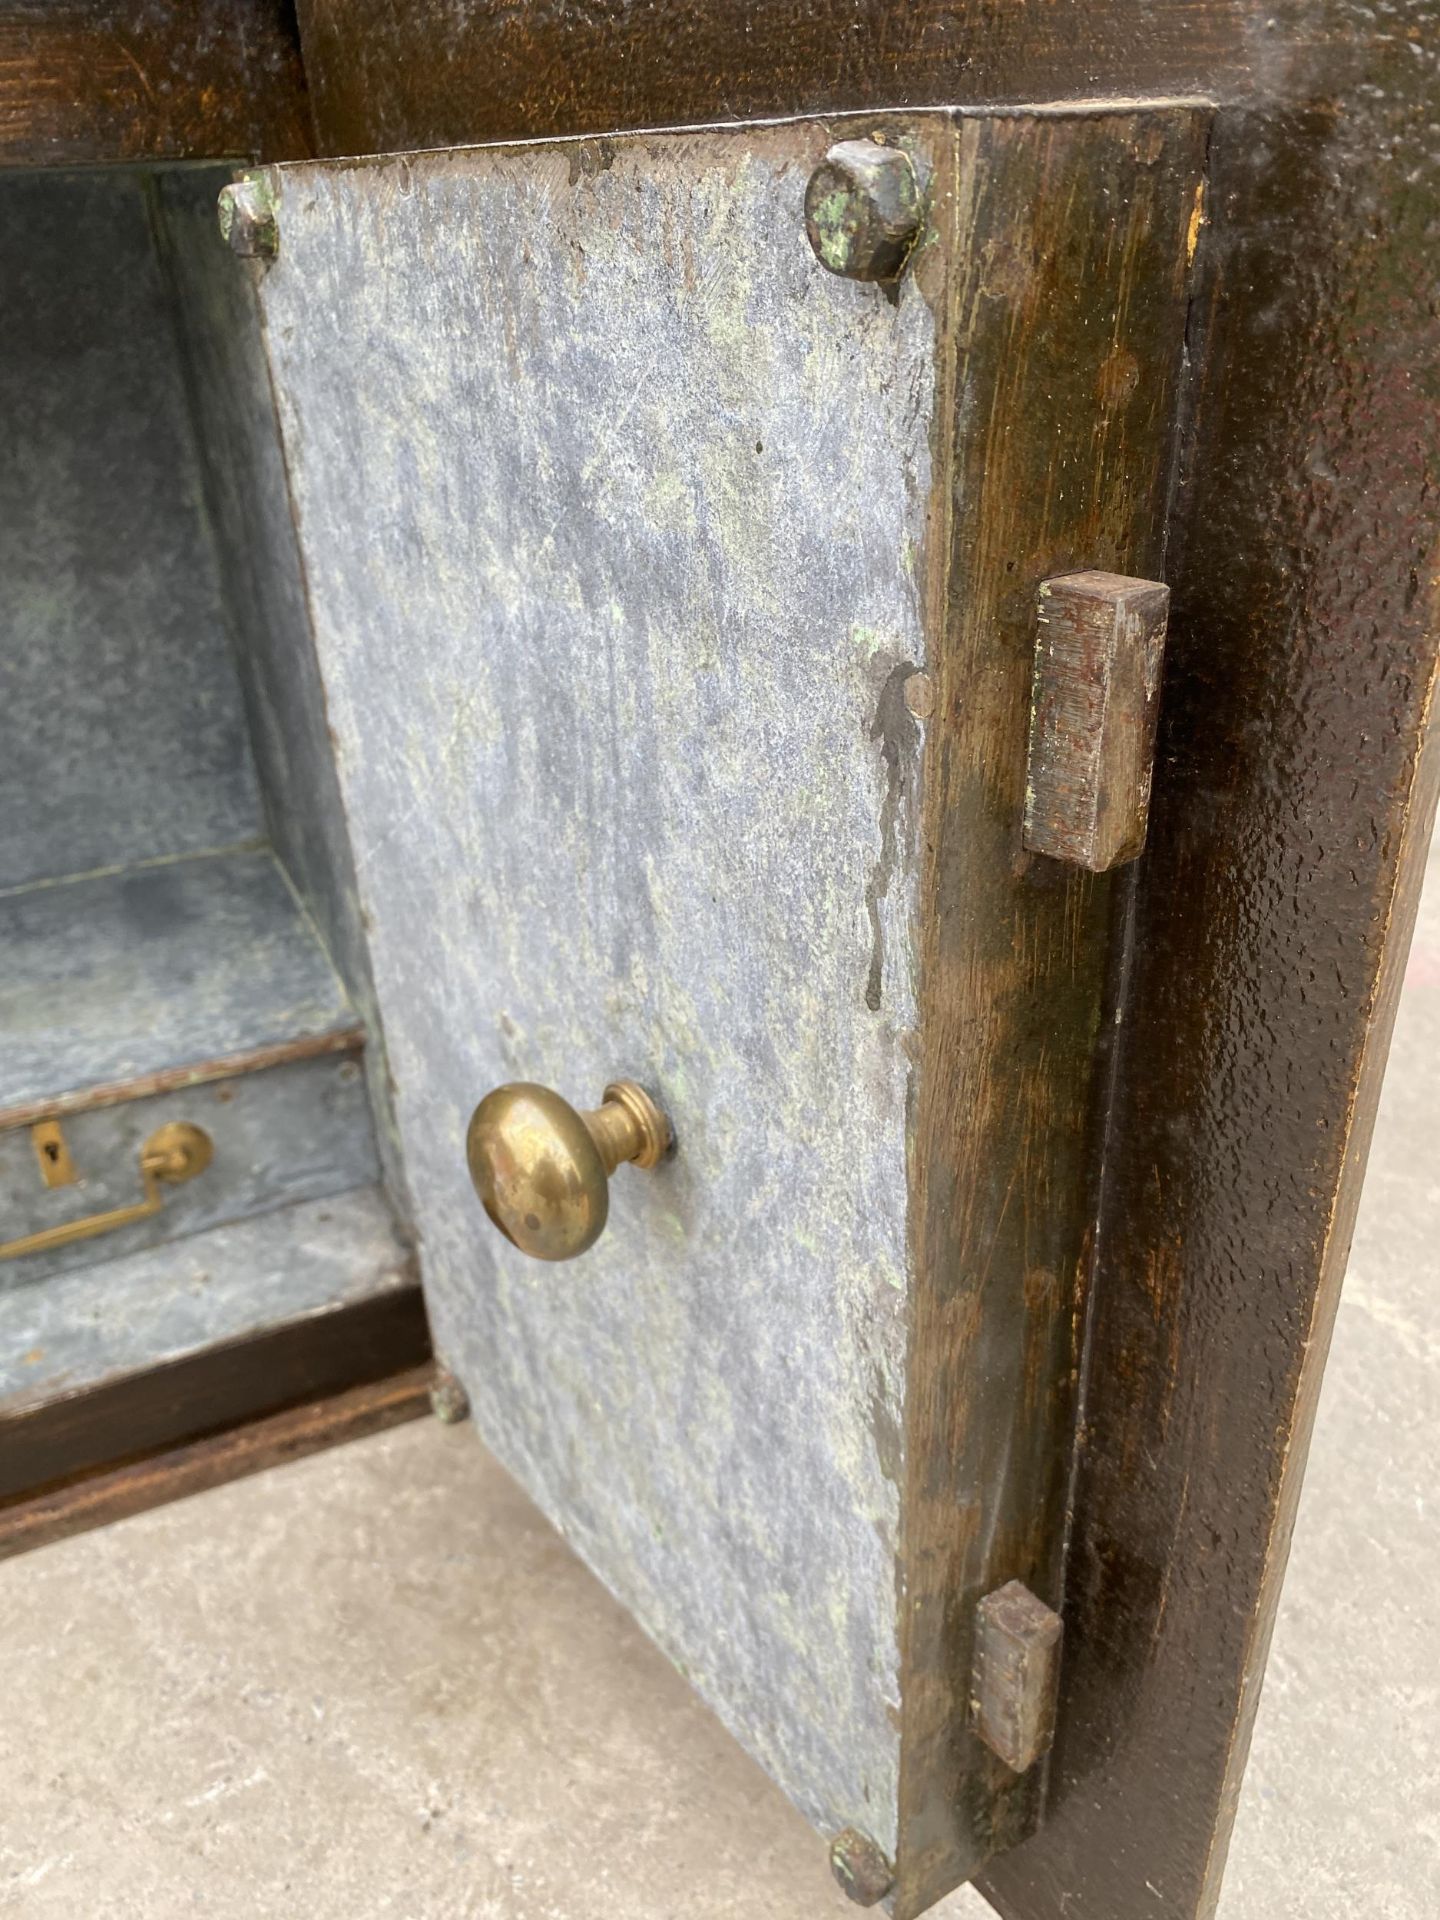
(674, 525)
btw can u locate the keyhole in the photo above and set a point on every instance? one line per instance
(52, 1156)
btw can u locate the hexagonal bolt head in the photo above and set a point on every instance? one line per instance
(248, 222)
(862, 210)
(448, 1399)
(860, 1867)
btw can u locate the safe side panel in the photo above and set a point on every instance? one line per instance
(122, 734)
(242, 468)
(612, 506)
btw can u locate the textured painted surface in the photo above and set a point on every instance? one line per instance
(122, 734)
(160, 966)
(248, 498)
(428, 73)
(89, 82)
(1337, 1812)
(294, 1132)
(143, 1309)
(611, 501)
(1294, 796)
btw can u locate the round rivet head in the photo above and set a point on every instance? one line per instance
(248, 221)
(449, 1401)
(862, 210)
(919, 690)
(860, 1867)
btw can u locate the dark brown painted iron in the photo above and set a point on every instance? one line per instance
(388, 74)
(194, 1466)
(221, 1387)
(91, 82)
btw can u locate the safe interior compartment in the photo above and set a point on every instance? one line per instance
(180, 940)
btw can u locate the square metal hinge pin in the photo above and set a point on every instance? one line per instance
(1095, 700)
(1016, 1679)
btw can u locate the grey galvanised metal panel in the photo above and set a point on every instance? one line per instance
(122, 735)
(610, 501)
(217, 325)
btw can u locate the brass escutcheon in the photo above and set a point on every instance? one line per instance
(542, 1170)
(174, 1152)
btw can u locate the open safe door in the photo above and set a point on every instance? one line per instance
(675, 511)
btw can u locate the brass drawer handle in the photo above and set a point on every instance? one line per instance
(542, 1170)
(173, 1153)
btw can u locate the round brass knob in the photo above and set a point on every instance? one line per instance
(542, 1170)
(177, 1152)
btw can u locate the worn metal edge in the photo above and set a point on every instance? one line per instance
(849, 120)
(271, 1440)
(1016, 1803)
(113, 1093)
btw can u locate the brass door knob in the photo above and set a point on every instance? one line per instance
(542, 1170)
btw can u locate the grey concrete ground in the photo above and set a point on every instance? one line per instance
(375, 1683)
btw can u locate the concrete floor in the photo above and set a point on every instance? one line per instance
(375, 1683)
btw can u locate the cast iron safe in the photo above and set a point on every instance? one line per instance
(668, 538)
(665, 624)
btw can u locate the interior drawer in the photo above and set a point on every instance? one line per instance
(299, 1131)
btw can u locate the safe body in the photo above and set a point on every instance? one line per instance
(1258, 947)
(620, 645)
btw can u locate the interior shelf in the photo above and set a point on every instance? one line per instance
(135, 973)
